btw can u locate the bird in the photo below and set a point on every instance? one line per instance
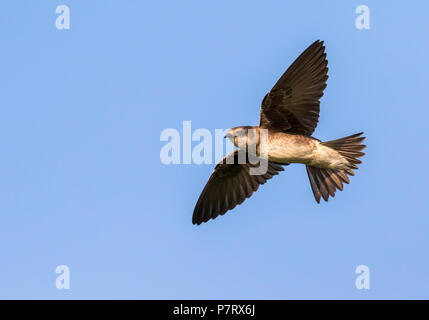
(289, 115)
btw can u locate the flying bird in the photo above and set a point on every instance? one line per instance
(289, 113)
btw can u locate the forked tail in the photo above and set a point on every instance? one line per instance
(325, 182)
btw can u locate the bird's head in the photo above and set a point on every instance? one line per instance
(235, 133)
(240, 135)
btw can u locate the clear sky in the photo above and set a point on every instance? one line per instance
(82, 183)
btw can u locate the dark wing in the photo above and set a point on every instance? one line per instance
(229, 185)
(293, 103)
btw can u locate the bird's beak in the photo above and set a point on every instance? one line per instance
(228, 135)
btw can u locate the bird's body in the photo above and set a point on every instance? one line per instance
(289, 115)
(287, 148)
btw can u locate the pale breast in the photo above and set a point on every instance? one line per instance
(290, 148)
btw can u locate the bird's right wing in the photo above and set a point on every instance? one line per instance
(229, 185)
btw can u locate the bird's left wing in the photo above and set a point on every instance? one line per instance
(292, 105)
(229, 185)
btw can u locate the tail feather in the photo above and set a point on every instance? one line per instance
(324, 182)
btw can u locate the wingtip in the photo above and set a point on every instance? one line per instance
(196, 218)
(195, 222)
(318, 43)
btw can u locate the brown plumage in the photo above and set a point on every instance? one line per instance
(293, 103)
(289, 113)
(229, 185)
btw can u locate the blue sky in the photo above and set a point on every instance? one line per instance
(82, 183)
